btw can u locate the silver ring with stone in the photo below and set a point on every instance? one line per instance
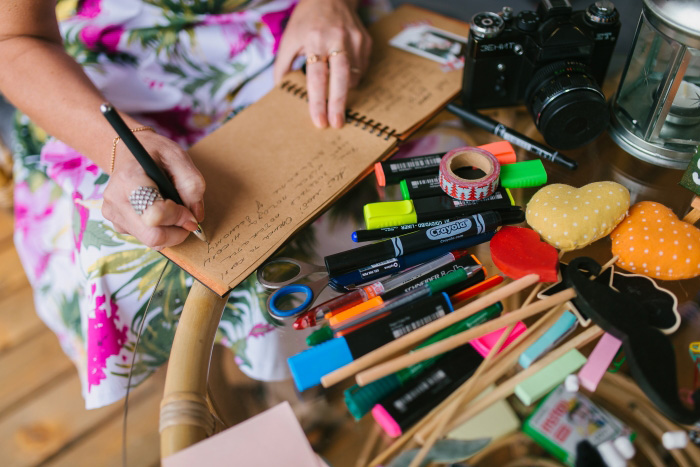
(143, 197)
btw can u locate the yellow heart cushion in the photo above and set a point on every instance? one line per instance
(654, 242)
(571, 218)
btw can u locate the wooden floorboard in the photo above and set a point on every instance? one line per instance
(29, 367)
(12, 277)
(18, 320)
(103, 446)
(41, 428)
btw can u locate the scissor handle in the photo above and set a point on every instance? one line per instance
(287, 290)
(305, 269)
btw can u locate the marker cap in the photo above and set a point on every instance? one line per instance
(309, 366)
(360, 399)
(389, 213)
(404, 189)
(379, 173)
(448, 280)
(503, 151)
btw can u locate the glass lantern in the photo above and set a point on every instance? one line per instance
(655, 114)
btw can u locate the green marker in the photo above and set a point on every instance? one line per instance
(360, 400)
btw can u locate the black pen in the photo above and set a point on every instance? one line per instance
(154, 172)
(508, 134)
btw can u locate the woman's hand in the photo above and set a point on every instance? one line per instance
(165, 223)
(332, 31)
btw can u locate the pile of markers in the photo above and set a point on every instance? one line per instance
(423, 334)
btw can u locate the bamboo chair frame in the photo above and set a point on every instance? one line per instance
(185, 418)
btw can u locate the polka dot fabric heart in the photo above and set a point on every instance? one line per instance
(654, 242)
(570, 218)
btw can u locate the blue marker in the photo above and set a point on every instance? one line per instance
(397, 264)
(309, 366)
(564, 325)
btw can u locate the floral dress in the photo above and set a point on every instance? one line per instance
(183, 67)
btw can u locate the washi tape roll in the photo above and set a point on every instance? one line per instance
(469, 189)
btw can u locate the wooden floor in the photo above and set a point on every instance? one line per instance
(43, 420)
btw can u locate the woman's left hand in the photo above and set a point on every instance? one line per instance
(330, 31)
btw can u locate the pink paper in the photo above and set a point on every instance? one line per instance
(599, 361)
(271, 439)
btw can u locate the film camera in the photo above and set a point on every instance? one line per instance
(553, 60)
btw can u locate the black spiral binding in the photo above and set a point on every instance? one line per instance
(350, 116)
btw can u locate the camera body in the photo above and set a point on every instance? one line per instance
(537, 57)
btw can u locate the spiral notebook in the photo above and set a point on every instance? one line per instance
(269, 171)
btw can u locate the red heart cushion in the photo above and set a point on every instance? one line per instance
(518, 251)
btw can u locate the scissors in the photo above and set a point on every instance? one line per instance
(281, 267)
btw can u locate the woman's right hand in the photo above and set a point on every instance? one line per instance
(164, 223)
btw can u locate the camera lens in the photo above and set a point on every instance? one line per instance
(567, 104)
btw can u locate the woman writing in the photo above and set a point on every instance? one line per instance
(175, 71)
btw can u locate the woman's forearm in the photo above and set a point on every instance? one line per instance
(41, 80)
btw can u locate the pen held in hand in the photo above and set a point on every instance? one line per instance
(149, 166)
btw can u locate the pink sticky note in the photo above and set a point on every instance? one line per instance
(485, 343)
(270, 439)
(599, 361)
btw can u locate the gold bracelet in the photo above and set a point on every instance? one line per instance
(116, 141)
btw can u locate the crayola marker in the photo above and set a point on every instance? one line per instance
(309, 366)
(410, 243)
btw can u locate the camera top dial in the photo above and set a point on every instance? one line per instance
(527, 21)
(486, 25)
(602, 12)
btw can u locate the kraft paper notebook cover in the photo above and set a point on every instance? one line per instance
(269, 171)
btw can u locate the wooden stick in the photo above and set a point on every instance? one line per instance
(406, 341)
(369, 445)
(443, 418)
(503, 361)
(694, 215)
(506, 389)
(462, 338)
(482, 384)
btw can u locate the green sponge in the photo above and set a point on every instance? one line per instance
(523, 174)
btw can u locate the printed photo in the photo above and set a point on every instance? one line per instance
(429, 42)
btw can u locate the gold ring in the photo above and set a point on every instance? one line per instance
(313, 58)
(335, 52)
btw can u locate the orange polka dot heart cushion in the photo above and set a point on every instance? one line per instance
(570, 218)
(654, 242)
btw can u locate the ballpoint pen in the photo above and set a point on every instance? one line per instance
(152, 169)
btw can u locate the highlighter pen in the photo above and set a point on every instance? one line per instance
(309, 366)
(362, 294)
(401, 409)
(393, 171)
(399, 263)
(349, 260)
(510, 215)
(394, 213)
(360, 399)
(154, 172)
(502, 131)
(383, 304)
